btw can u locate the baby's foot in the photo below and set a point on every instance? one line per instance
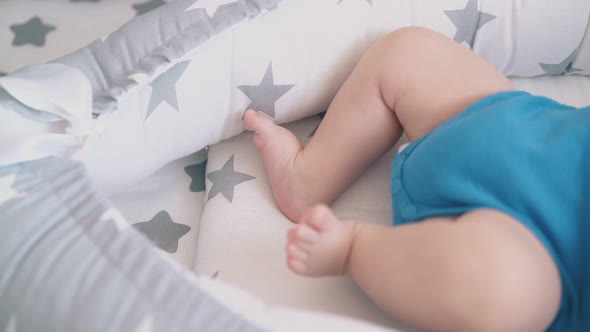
(279, 149)
(320, 245)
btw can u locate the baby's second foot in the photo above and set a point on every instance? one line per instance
(320, 245)
(279, 149)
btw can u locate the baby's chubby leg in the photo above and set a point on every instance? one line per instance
(482, 271)
(411, 80)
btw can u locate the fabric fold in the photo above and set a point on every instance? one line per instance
(45, 110)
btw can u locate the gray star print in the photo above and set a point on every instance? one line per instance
(32, 32)
(164, 88)
(369, 1)
(142, 8)
(163, 232)
(264, 95)
(197, 174)
(225, 179)
(564, 67)
(468, 21)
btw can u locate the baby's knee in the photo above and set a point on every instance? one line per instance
(398, 56)
(404, 42)
(411, 34)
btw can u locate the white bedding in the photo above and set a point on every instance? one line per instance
(178, 79)
(237, 235)
(63, 33)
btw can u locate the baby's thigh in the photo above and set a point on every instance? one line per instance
(503, 257)
(429, 78)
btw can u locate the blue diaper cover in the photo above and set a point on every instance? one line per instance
(527, 156)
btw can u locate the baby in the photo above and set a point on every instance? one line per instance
(490, 218)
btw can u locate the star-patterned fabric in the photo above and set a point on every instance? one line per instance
(150, 5)
(163, 231)
(187, 103)
(265, 95)
(167, 206)
(40, 28)
(40, 31)
(175, 104)
(225, 180)
(164, 88)
(562, 68)
(33, 32)
(468, 21)
(197, 174)
(222, 59)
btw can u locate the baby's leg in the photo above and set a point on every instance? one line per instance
(483, 271)
(413, 79)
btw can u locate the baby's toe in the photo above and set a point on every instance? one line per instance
(297, 266)
(250, 120)
(306, 234)
(297, 252)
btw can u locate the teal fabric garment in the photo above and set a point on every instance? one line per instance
(525, 155)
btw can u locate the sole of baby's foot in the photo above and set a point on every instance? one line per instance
(279, 148)
(320, 244)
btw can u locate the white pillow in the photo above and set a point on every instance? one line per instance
(179, 78)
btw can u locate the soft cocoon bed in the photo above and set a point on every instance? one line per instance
(181, 77)
(91, 124)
